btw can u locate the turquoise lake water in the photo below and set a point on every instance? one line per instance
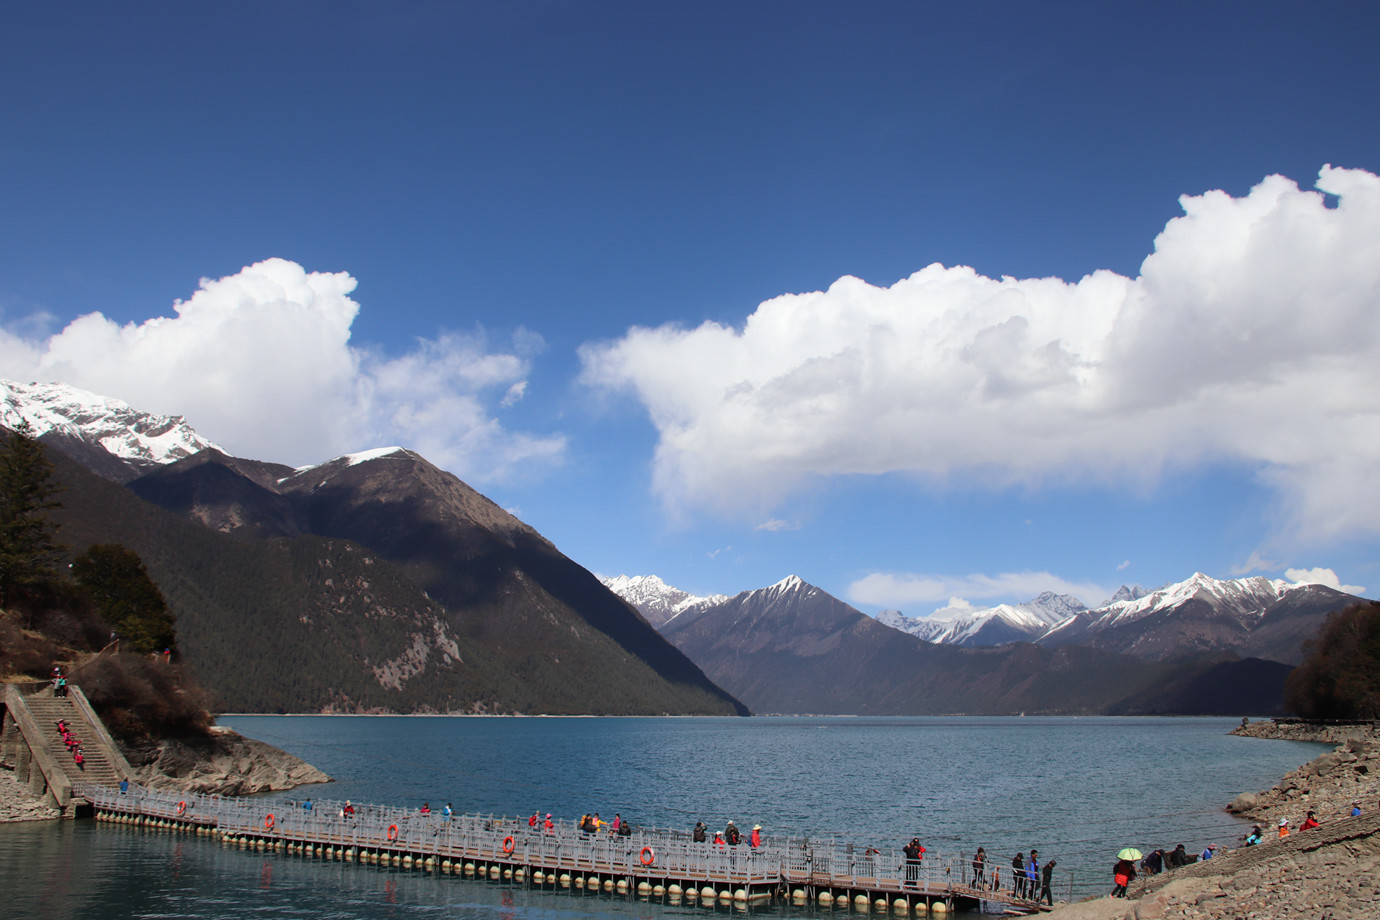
(1076, 789)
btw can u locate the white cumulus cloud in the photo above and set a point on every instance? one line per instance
(261, 362)
(1326, 577)
(901, 589)
(1250, 337)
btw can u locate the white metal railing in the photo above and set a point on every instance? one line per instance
(648, 852)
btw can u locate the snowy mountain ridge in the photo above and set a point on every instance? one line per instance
(657, 601)
(56, 408)
(1244, 597)
(989, 625)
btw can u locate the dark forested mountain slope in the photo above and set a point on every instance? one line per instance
(275, 618)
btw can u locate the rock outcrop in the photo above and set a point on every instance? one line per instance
(225, 763)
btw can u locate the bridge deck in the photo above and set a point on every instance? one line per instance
(651, 860)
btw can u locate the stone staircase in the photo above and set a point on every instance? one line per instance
(99, 766)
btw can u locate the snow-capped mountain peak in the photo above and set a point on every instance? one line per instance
(56, 408)
(1246, 597)
(988, 625)
(657, 601)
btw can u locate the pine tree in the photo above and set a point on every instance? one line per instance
(28, 551)
(120, 587)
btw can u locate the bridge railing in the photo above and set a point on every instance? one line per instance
(668, 853)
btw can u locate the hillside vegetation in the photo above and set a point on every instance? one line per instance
(51, 621)
(1340, 678)
(312, 623)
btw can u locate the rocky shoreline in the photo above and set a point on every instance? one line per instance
(225, 763)
(1331, 872)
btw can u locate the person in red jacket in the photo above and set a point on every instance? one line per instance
(1310, 822)
(1124, 873)
(756, 839)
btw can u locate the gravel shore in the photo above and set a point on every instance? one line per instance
(1331, 872)
(17, 803)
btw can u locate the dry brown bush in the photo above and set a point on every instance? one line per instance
(139, 697)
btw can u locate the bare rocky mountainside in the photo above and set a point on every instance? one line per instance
(372, 583)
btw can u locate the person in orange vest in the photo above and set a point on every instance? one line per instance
(1283, 827)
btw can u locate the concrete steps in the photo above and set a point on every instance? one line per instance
(99, 766)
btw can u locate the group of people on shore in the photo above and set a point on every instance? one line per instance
(1157, 861)
(1284, 828)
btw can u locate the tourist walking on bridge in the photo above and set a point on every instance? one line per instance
(1018, 875)
(980, 868)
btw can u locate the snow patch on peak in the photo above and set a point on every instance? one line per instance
(365, 456)
(344, 461)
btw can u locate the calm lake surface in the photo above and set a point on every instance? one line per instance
(1076, 789)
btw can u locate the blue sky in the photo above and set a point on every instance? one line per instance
(587, 256)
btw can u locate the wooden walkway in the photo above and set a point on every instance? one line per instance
(663, 864)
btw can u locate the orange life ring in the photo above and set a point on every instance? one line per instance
(648, 856)
(508, 846)
(392, 832)
(268, 822)
(181, 809)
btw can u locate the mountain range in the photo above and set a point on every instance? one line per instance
(376, 582)
(791, 647)
(372, 582)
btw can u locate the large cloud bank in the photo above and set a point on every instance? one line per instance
(1251, 337)
(261, 362)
